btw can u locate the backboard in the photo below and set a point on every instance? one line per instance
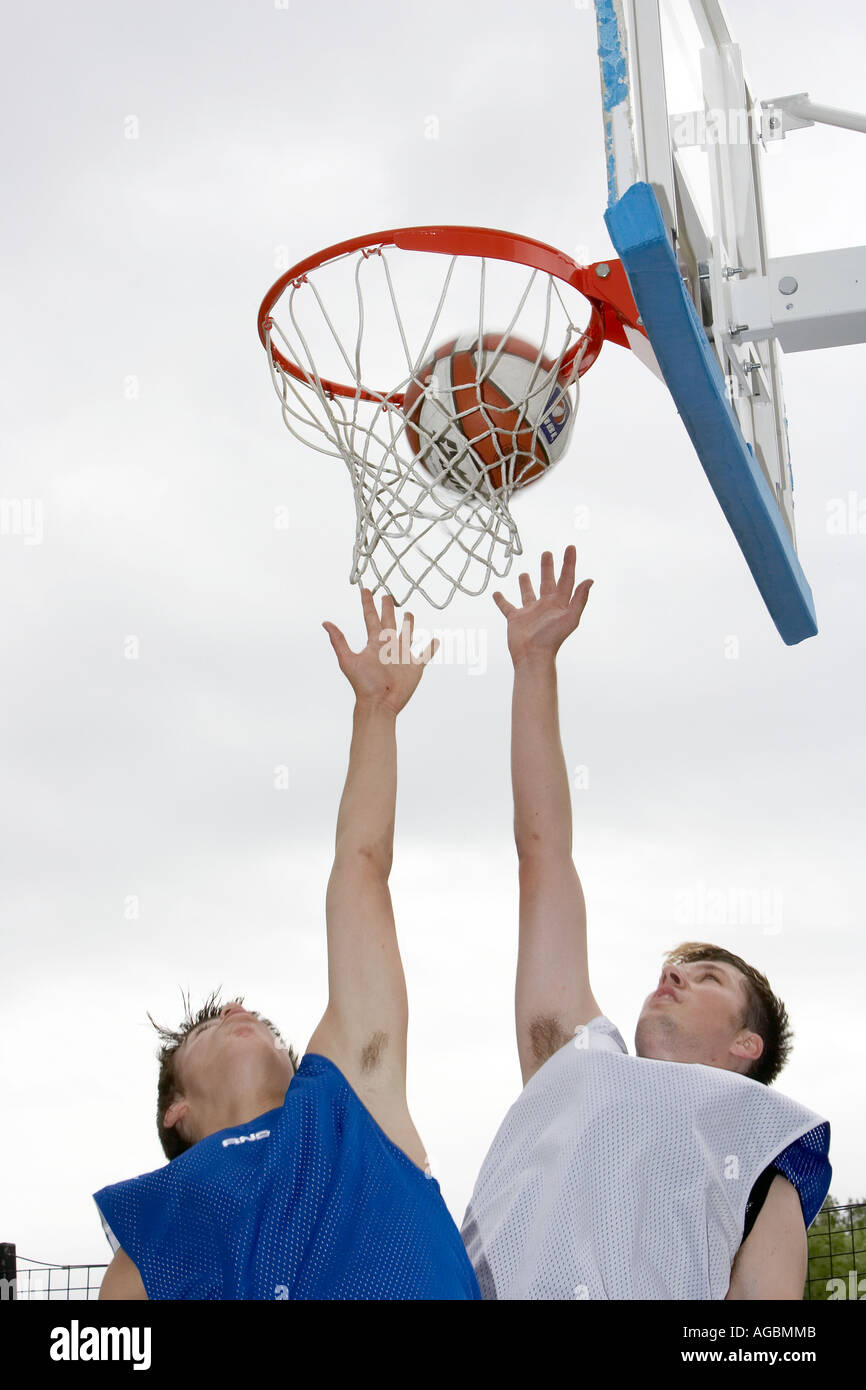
(683, 147)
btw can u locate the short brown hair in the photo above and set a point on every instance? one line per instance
(764, 1012)
(168, 1090)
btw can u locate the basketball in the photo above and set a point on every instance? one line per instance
(489, 409)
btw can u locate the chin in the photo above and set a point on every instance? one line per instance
(256, 1057)
(651, 1033)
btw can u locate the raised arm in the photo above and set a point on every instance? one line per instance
(553, 995)
(363, 1030)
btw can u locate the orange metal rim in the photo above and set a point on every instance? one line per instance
(605, 300)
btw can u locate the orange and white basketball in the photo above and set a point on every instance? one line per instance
(490, 409)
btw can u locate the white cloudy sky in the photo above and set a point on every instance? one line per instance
(709, 779)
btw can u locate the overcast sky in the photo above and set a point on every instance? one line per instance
(163, 648)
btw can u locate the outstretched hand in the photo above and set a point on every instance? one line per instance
(385, 672)
(542, 624)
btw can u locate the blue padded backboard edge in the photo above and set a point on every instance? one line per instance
(694, 379)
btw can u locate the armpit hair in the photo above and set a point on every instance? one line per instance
(372, 1051)
(546, 1036)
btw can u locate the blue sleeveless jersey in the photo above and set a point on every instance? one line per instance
(309, 1201)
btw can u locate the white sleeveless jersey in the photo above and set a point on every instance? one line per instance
(617, 1177)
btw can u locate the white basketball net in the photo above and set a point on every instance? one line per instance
(444, 527)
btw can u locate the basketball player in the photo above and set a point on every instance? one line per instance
(304, 1183)
(674, 1174)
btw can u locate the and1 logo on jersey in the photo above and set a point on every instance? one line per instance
(247, 1138)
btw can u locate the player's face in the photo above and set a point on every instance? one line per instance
(237, 1049)
(694, 1015)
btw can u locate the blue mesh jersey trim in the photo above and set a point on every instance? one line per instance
(315, 1203)
(805, 1164)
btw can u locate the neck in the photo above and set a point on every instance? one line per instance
(232, 1110)
(666, 1044)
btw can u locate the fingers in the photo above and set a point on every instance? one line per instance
(389, 617)
(581, 594)
(549, 583)
(408, 624)
(428, 652)
(566, 579)
(548, 580)
(371, 617)
(338, 642)
(527, 593)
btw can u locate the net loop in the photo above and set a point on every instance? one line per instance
(433, 468)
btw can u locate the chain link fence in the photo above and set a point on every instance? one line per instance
(39, 1281)
(837, 1254)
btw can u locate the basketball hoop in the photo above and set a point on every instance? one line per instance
(432, 513)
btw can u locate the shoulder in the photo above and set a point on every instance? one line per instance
(603, 1035)
(319, 1080)
(553, 1049)
(376, 1107)
(598, 1035)
(122, 1280)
